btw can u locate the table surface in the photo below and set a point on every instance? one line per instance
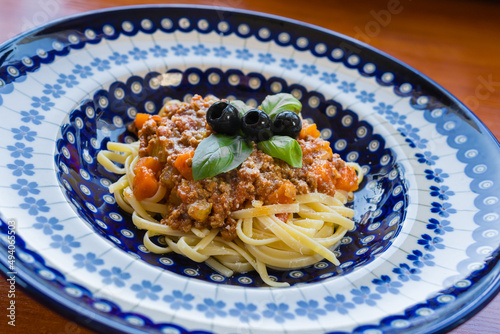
(456, 43)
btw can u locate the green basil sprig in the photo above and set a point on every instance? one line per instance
(274, 104)
(241, 107)
(284, 148)
(218, 154)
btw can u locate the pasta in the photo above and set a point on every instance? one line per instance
(286, 234)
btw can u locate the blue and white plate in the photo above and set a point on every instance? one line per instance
(424, 254)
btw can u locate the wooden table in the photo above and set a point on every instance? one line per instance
(456, 43)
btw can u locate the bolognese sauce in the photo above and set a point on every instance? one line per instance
(168, 143)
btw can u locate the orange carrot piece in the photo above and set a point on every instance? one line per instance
(145, 183)
(183, 164)
(348, 179)
(141, 118)
(285, 194)
(309, 130)
(152, 163)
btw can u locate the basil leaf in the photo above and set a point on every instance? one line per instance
(284, 148)
(274, 104)
(241, 107)
(218, 154)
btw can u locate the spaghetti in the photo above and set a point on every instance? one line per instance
(272, 220)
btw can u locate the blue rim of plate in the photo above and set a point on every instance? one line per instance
(488, 279)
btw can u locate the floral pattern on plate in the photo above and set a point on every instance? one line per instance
(428, 227)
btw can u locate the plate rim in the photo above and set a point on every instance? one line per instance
(68, 308)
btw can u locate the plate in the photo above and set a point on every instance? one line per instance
(425, 250)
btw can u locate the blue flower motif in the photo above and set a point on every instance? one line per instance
(385, 285)
(396, 118)
(421, 143)
(288, 63)
(347, 87)
(146, 290)
(309, 70)
(244, 312)
(89, 261)
(101, 64)
(439, 228)
(33, 206)
(243, 54)
(338, 303)
(68, 80)
(23, 132)
(200, 50)
(309, 309)
(212, 308)
(442, 193)
(363, 295)
(19, 149)
(54, 90)
(405, 273)
(420, 260)
(138, 54)
(444, 210)
(437, 175)
(383, 108)
(24, 187)
(427, 158)
(118, 59)
(278, 312)
(114, 276)
(178, 300)
(20, 167)
(221, 52)
(179, 50)
(158, 51)
(408, 131)
(83, 71)
(431, 244)
(48, 226)
(329, 78)
(42, 102)
(364, 96)
(65, 243)
(32, 116)
(266, 58)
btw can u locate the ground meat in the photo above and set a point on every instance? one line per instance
(208, 203)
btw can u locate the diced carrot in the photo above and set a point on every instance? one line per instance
(323, 171)
(327, 148)
(285, 194)
(348, 179)
(309, 130)
(141, 118)
(183, 164)
(145, 183)
(152, 163)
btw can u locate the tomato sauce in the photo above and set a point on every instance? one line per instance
(208, 203)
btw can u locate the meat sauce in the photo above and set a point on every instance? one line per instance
(171, 140)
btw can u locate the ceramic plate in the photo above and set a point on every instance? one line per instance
(425, 250)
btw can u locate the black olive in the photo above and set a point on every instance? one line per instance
(223, 118)
(287, 123)
(256, 125)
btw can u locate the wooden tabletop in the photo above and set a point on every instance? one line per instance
(456, 43)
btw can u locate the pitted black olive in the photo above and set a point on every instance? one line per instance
(256, 125)
(223, 118)
(287, 123)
